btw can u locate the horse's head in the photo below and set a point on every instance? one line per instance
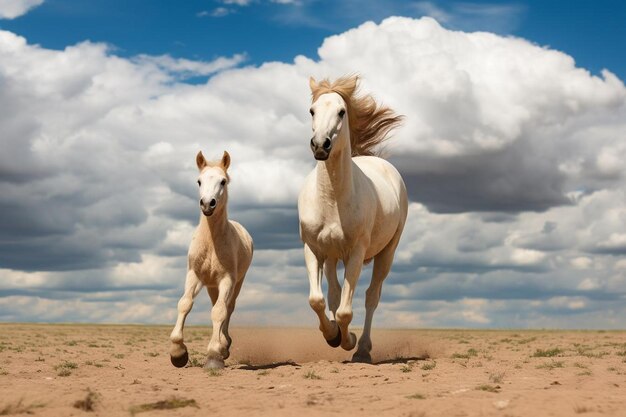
(330, 117)
(212, 182)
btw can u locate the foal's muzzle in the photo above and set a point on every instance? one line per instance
(208, 209)
(321, 152)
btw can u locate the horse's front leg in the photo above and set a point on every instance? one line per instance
(353, 265)
(178, 351)
(218, 345)
(314, 268)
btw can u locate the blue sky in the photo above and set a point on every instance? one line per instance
(593, 32)
(512, 150)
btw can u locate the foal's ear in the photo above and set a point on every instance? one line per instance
(200, 161)
(313, 84)
(225, 160)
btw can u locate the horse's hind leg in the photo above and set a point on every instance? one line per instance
(382, 265)
(178, 350)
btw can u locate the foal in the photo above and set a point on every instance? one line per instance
(219, 256)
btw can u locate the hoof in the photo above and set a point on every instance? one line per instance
(180, 361)
(337, 340)
(352, 343)
(214, 363)
(362, 357)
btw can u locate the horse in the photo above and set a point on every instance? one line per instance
(219, 256)
(352, 206)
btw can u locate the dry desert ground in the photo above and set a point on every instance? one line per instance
(101, 370)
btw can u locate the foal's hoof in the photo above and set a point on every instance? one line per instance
(362, 357)
(214, 363)
(336, 341)
(180, 361)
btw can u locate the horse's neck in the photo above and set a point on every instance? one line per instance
(334, 177)
(216, 225)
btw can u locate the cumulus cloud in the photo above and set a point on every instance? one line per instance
(510, 152)
(10, 9)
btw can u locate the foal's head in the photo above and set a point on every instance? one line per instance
(330, 116)
(212, 182)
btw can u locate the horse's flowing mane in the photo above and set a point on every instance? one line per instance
(370, 123)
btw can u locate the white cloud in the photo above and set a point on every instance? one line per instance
(10, 9)
(187, 68)
(510, 151)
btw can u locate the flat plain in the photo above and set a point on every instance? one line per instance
(110, 370)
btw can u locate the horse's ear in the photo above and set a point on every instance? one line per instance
(313, 84)
(225, 160)
(200, 161)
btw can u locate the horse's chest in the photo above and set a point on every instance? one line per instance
(331, 234)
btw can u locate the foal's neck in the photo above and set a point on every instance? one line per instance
(216, 224)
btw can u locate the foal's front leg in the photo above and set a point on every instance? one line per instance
(178, 350)
(218, 345)
(316, 297)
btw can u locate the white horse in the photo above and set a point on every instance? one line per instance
(352, 208)
(219, 256)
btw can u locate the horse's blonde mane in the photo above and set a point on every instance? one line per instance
(370, 123)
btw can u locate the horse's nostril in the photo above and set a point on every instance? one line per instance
(201, 202)
(327, 144)
(212, 203)
(312, 143)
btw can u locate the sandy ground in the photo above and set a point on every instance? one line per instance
(47, 370)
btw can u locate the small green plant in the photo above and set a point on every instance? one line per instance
(263, 372)
(416, 396)
(65, 368)
(311, 375)
(214, 372)
(334, 371)
(118, 355)
(406, 368)
(152, 354)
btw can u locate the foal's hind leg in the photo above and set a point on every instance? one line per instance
(178, 350)
(382, 265)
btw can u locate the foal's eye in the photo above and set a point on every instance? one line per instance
(342, 112)
(223, 183)
(199, 183)
(312, 112)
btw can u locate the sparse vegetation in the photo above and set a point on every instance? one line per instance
(470, 353)
(496, 377)
(214, 372)
(170, 404)
(89, 402)
(429, 366)
(547, 353)
(406, 368)
(579, 409)
(416, 396)
(19, 408)
(488, 388)
(65, 368)
(312, 375)
(551, 365)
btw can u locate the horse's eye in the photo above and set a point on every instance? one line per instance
(342, 112)
(199, 183)
(312, 112)
(223, 183)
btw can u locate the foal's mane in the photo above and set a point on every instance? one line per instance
(370, 123)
